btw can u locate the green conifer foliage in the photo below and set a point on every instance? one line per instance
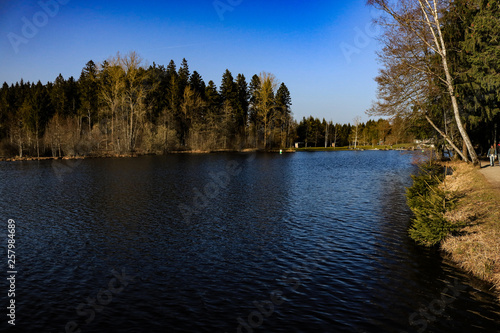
(429, 203)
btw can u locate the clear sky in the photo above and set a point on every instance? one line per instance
(324, 51)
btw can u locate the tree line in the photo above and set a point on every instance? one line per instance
(119, 106)
(440, 64)
(313, 132)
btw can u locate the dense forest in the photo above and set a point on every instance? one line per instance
(121, 107)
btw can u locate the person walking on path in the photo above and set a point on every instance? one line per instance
(492, 154)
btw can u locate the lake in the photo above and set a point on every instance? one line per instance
(304, 242)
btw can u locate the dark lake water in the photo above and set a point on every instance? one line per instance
(305, 242)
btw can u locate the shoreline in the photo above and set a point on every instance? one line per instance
(138, 154)
(215, 151)
(475, 248)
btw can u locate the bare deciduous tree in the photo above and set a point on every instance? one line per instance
(356, 129)
(413, 39)
(265, 104)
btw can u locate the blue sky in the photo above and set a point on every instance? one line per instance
(324, 51)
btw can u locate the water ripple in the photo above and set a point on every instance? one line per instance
(326, 232)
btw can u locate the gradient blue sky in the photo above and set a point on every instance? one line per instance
(322, 50)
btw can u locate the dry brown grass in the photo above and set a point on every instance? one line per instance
(477, 247)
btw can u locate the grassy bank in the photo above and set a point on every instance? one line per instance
(476, 248)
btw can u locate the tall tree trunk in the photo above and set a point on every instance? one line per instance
(420, 21)
(265, 134)
(464, 148)
(326, 135)
(20, 143)
(130, 144)
(37, 144)
(437, 35)
(447, 138)
(90, 126)
(113, 127)
(456, 112)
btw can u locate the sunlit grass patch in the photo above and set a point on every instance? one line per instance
(477, 247)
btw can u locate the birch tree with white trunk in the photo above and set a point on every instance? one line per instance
(413, 38)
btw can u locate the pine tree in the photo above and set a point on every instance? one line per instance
(183, 75)
(4, 109)
(36, 112)
(253, 118)
(482, 53)
(89, 93)
(196, 84)
(58, 95)
(155, 99)
(283, 110)
(213, 105)
(173, 88)
(72, 96)
(228, 88)
(429, 203)
(242, 105)
(174, 99)
(229, 99)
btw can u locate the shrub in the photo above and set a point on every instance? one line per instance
(429, 203)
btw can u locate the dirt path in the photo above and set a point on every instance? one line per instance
(492, 174)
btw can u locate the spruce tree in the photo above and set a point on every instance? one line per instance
(242, 104)
(253, 92)
(89, 93)
(213, 105)
(229, 99)
(482, 49)
(283, 110)
(183, 75)
(58, 96)
(4, 109)
(196, 83)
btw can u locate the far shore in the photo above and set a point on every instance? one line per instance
(401, 147)
(138, 154)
